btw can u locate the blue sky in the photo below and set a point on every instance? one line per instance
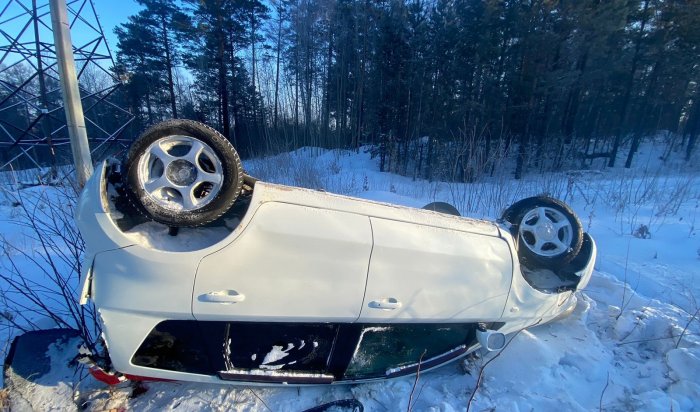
(111, 14)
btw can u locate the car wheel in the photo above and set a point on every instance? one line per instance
(183, 173)
(442, 207)
(548, 232)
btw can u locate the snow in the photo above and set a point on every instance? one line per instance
(358, 358)
(277, 353)
(53, 391)
(632, 342)
(258, 372)
(155, 235)
(544, 279)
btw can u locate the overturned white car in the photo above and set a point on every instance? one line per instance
(301, 286)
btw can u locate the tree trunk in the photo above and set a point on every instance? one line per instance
(277, 67)
(223, 86)
(572, 101)
(694, 121)
(169, 65)
(628, 87)
(297, 80)
(149, 110)
(253, 31)
(643, 112)
(522, 154)
(327, 87)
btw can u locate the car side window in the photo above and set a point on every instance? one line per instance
(276, 346)
(385, 349)
(212, 347)
(239, 349)
(175, 345)
(269, 346)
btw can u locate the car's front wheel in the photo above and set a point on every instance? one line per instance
(549, 234)
(183, 173)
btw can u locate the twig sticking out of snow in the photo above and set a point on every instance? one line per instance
(481, 370)
(415, 382)
(655, 339)
(260, 399)
(692, 318)
(600, 402)
(624, 304)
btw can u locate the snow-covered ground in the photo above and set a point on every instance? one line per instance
(633, 342)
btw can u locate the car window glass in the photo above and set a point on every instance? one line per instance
(175, 345)
(384, 347)
(212, 347)
(269, 346)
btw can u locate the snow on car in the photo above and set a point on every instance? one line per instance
(296, 286)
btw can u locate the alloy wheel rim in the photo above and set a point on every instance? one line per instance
(180, 173)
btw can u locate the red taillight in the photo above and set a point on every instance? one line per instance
(105, 377)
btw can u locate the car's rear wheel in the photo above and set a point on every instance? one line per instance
(548, 232)
(442, 207)
(183, 173)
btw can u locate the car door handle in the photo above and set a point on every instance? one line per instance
(385, 304)
(222, 296)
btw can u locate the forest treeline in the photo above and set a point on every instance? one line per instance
(439, 88)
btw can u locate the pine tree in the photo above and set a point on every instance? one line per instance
(148, 48)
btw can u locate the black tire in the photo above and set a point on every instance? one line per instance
(442, 207)
(220, 157)
(559, 246)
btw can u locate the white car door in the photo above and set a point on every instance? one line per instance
(423, 273)
(291, 263)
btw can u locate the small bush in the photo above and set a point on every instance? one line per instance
(40, 271)
(642, 232)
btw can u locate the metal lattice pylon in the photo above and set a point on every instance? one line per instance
(33, 129)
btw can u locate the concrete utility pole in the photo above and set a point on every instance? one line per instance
(71, 95)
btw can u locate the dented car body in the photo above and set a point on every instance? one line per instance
(305, 287)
